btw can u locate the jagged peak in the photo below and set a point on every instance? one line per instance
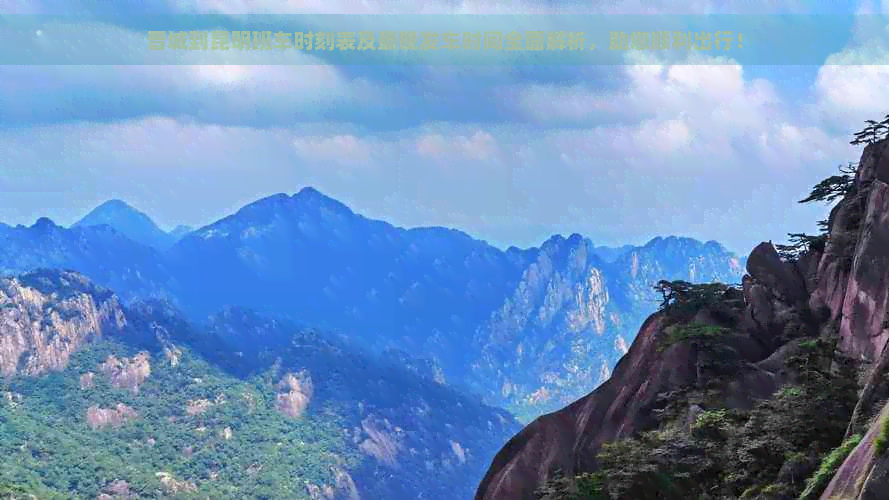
(575, 238)
(661, 241)
(715, 245)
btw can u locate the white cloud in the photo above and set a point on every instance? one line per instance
(853, 83)
(664, 137)
(480, 146)
(851, 94)
(792, 146)
(551, 102)
(667, 118)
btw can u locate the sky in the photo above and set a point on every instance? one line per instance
(508, 154)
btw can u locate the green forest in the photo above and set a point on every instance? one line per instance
(241, 446)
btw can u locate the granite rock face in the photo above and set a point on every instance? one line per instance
(45, 317)
(571, 316)
(846, 285)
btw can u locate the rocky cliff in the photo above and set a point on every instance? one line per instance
(47, 316)
(572, 315)
(742, 357)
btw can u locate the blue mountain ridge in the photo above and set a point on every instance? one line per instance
(525, 329)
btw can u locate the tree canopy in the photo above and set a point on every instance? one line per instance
(835, 186)
(874, 132)
(801, 243)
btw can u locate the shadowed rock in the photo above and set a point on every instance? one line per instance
(767, 268)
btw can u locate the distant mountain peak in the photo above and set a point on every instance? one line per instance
(557, 241)
(715, 245)
(128, 221)
(118, 204)
(575, 238)
(314, 197)
(44, 223)
(660, 241)
(309, 191)
(110, 210)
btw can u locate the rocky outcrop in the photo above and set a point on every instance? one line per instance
(12, 399)
(567, 440)
(196, 407)
(297, 393)
(845, 285)
(173, 486)
(382, 442)
(117, 490)
(45, 317)
(127, 373)
(87, 380)
(854, 272)
(98, 418)
(344, 488)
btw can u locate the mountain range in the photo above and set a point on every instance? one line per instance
(425, 291)
(207, 357)
(524, 329)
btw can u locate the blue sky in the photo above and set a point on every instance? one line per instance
(507, 154)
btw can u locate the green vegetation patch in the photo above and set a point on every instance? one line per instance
(237, 445)
(829, 465)
(881, 443)
(694, 331)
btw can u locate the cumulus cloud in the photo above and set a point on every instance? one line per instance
(851, 83)
(848, 93)
(675, 116)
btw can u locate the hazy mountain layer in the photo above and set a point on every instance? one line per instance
(528, 330)
(132, 223)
